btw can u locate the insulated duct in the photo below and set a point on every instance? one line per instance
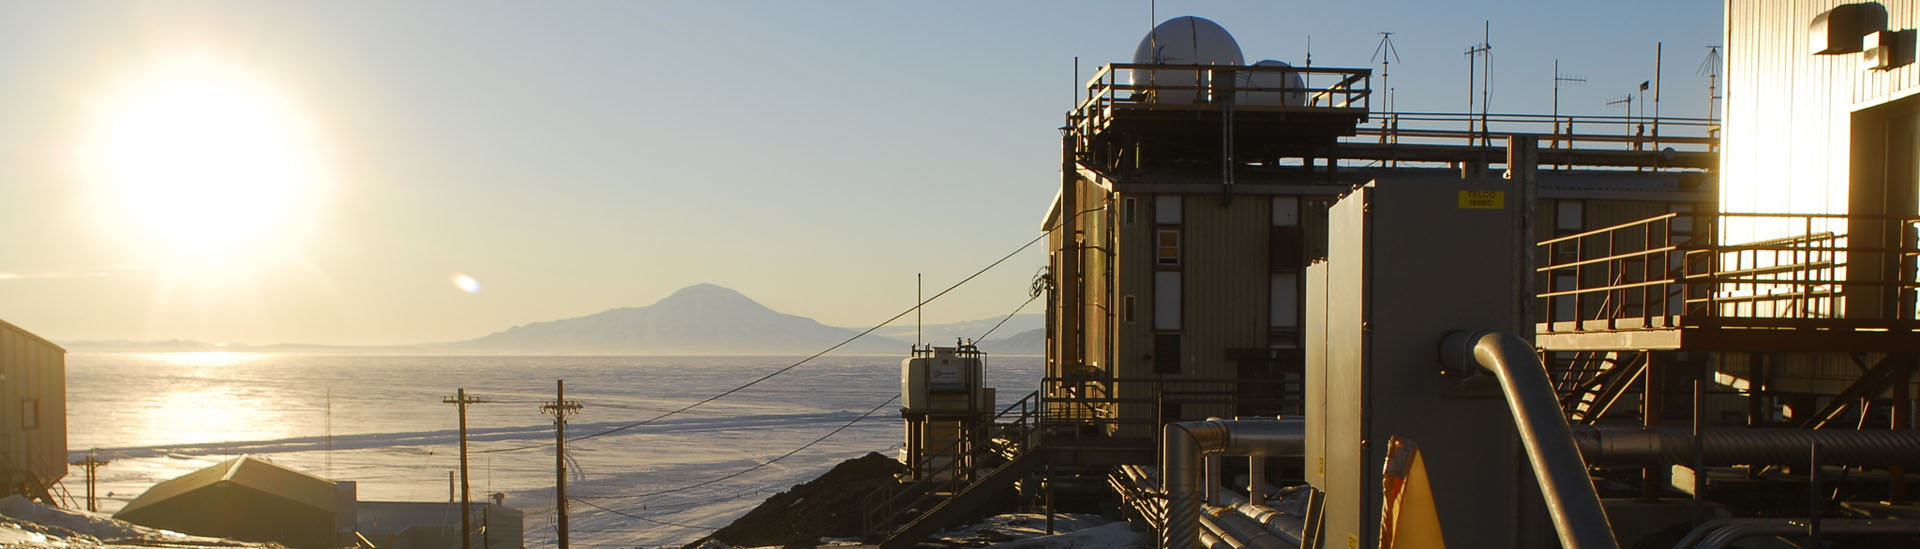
(1182, 447)
(1571, 500)
(1719, 533)
(1635, 446)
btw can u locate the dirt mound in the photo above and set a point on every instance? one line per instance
(828, 506)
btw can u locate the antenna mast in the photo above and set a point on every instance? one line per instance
(1559, 78)
(1710, 68)
(1628, 100)
(1484, 48)
(1386, 54)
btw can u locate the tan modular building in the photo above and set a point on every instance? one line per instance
(435, 524)
(33, 413)
(248, 499)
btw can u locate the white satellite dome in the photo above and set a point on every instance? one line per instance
(1295, 96)
(1184, 40)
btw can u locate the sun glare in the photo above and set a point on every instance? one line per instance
(200, 162)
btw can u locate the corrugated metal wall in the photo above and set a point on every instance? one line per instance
(1788, 112)
(33, 389)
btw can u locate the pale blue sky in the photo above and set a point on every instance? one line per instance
(578, 156)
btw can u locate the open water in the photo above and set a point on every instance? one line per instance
(380, 421)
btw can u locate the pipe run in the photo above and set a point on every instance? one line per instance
(1719, 533)
(1639, 447)
(1184, 444)
(1571, 500)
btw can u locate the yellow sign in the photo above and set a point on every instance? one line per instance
(1483, 200)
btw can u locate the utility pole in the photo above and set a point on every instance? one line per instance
(560, 407)
(460, 400)
(90, 464)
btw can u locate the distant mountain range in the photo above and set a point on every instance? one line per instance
(946, 333)
(1030, 342)
(698, 319)
(703, 318)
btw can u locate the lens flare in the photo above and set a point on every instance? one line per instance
(466, 283)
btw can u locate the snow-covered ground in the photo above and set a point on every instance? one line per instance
(157, 416)
(27, 524)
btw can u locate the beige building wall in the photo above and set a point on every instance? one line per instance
(1789, 112)
(33, 412)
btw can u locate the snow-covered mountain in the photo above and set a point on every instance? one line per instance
(1030, 342)
(703, 318)
(945, 333)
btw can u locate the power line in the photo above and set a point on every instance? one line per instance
(836, 346)
(1016, 310)
(802, 447)
(638, 517)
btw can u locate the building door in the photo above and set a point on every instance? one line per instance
(1884, 193)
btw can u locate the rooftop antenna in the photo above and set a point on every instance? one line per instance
(1309, 51)
(1484, 48)
(1658, 47)
(918, 302)
(1561, 78)
(1386, 54)
(1628, 100)
(1710, 68)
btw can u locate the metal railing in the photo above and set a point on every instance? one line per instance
(1122, 86)
(1745, 269)
(1557, 132)
(1097, 402)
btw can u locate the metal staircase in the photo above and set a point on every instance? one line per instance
(956, 489)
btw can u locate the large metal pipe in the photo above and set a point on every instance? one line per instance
(1244, 532)
(1634, 446)
(1184, 444)
(1571, 500)
(1718, 533)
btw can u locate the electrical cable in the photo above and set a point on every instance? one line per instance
(790, 453)
(638, 517)
(1038, 290)
(836, 346)
(1016, 310)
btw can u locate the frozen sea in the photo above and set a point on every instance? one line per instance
(379, 421)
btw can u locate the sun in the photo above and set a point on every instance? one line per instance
(197, 162)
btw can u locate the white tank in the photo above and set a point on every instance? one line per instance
(1184, 40)
(1291, 81)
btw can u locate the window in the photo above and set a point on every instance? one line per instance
(1166, 210)
(1129, 207)
(1166, 300)
(1568, 216)
(1166, 353)
(30, 414)
(1167, 247)
(1286, 211)
(1284, 301)
(1126, 308)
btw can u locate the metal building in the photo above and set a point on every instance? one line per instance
(433, 524)
(247, 499)
(33, 413)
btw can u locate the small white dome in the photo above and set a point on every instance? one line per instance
(1295, 95)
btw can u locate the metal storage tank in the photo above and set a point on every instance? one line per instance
(33, 413)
